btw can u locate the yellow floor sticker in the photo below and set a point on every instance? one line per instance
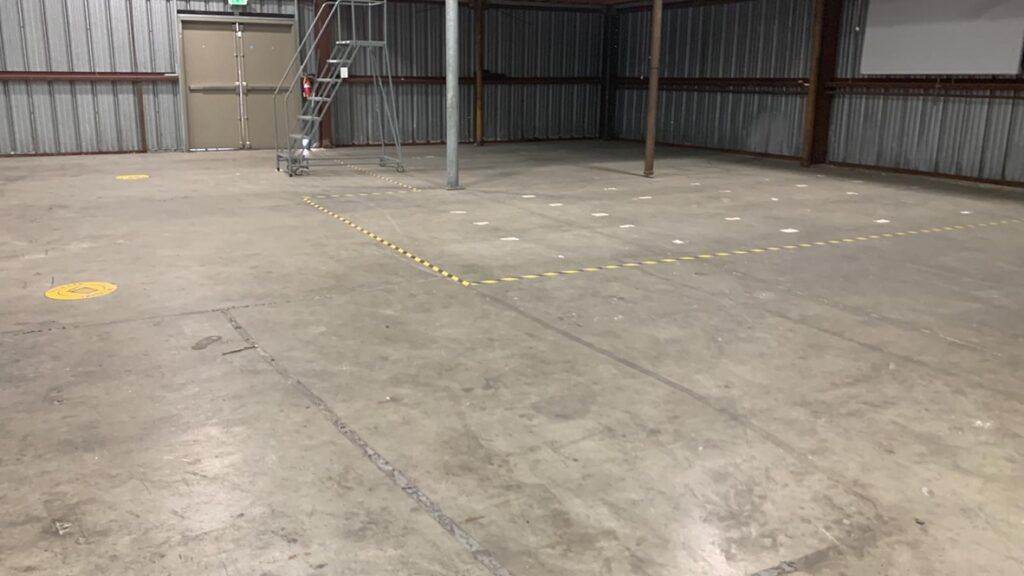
(80, 290)
(133, 177)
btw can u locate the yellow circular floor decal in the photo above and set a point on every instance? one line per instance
(133, 177)
(80, 290)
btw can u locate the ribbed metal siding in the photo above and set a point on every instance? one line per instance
(253, 7)
(86, 36)
(543, 43)
(764, 122)
(969, 134)
(746, 39)
(520, 42)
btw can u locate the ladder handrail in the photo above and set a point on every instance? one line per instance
(293, 146)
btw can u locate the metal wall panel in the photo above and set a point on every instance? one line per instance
(513, 112)
(519, 42)
(972, 134)
(759, 122)
(86, 36)
(254, 6)
(420, 114)
(744, 39)
(140, 36)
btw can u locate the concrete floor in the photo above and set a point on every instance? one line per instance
(834, 388)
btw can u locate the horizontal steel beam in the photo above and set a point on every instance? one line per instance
(929, 83)
(487, 80)
(88, 76)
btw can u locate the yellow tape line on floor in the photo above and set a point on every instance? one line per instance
(387, 179)
(421, 261)
(742, 252)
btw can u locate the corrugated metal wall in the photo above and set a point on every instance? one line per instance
(94, 36)
(519, 42)
(140, 36)
(973, 134)
(86, 36)
(253, 7)
(745, 39)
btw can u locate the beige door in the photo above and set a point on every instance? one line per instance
(209, 50)
(267, 49)
(231, 70)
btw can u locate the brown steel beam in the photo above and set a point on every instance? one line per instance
(324, 46)
(472, 80)
(652, 88)
(478, 92)
(818, 108)
(24, 76)
(677, 83)
(930, 83)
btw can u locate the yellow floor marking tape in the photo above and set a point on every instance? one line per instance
(748, 251)
(132, 177)
(387, 179)
(80, 290)
(391, 246)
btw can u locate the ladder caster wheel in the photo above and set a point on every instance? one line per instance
(400, 169)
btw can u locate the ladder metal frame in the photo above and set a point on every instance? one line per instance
(294, 153)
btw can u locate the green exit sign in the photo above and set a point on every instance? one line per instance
(238, 2)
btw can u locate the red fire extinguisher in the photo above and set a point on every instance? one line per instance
(307, 87)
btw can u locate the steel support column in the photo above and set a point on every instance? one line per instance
(323, 52)
(652, 88)
(451, 72)
(818, 108)
(478, 91)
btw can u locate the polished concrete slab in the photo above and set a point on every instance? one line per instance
(737, 367)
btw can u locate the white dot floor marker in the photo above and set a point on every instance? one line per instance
(881, 221)
(556, 204)
(457, 212)
(789, 230)
(482, 223)
(598, 214)
(626, 226)
(510, 239)
(733, 218)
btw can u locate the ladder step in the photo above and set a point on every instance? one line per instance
(304, 117)
(318, 98)
(367, 43)
(329, 80)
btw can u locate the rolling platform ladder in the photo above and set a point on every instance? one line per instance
(311, 94)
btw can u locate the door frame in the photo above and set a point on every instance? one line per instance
(283, 20)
